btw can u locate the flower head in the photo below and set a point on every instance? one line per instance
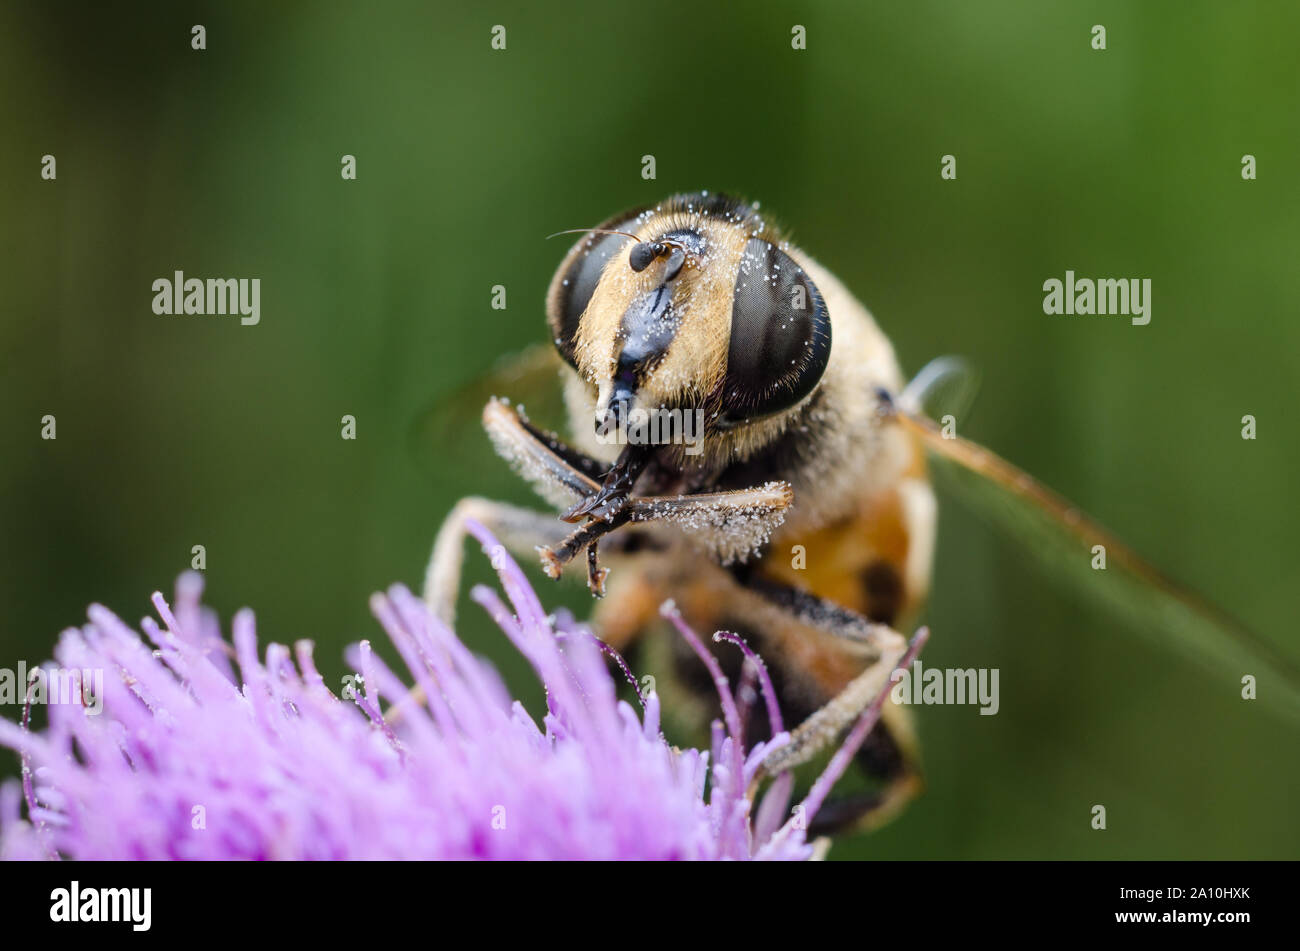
(195, 757)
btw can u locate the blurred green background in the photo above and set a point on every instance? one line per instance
(376, 302)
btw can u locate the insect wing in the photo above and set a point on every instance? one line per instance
(450, 430)
(1062, 536)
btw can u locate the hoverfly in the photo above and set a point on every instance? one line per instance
(806, 438)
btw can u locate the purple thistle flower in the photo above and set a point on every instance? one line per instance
(195, 759)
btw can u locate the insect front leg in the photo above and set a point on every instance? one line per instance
(522, 531)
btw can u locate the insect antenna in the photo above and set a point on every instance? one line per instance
(625, 234)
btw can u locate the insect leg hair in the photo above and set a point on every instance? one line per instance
(825, 725)
(553, 469)
(856, 632)
(772, 606)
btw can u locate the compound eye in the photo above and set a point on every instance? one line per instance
(780, 335)
(575, 282)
